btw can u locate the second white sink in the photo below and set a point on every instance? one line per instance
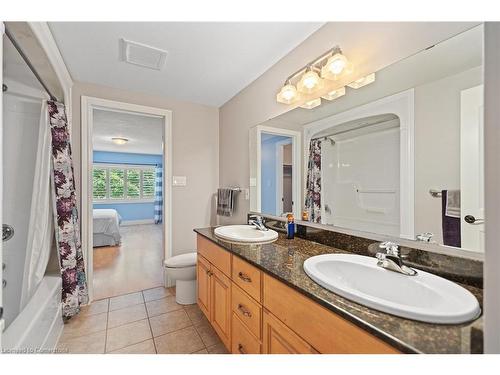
(424, 297)
(245, 234)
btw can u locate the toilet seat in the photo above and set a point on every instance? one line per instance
(182, 261)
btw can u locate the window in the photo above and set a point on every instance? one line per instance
(124, 183)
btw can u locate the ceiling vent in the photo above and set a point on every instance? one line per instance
(143, 55)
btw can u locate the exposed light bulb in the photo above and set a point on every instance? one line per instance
(288, 94)
(119, 140)
(310, 82)
(311, 104)
(334, 94)
(363, 81)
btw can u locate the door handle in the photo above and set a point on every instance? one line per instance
(469, 219)
(241, 349)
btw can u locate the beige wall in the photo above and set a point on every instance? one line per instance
(371, 46)
(437, 145)
(195, 134)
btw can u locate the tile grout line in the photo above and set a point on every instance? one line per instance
(195, 329)
(149, 324)
(107, 320)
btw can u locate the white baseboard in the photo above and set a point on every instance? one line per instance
(136, 222)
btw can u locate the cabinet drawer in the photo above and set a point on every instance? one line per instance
(324, 330)
(243, 342)
(247, 277)
(217, 256)
(249, 311)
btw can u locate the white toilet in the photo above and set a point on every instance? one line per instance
(182, 269)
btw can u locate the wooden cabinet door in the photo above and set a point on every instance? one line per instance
(203, 280)
(220, 305)
(279, 339)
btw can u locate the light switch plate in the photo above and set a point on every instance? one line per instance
(179, 181)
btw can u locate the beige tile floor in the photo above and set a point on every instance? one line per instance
(145, 322)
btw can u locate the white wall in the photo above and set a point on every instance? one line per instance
(372, 46)
(195, 134)
(492, 187)
(437, 145)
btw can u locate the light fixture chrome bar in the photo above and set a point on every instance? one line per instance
(314, 62)
(30, 65)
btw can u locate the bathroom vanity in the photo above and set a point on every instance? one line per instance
(259, 300)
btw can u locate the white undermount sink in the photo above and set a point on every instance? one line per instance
(424, 297)
(245, 234)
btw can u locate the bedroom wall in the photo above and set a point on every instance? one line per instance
(129, 212)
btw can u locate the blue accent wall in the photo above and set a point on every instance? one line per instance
(128, 211)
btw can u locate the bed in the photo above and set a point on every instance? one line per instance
(106, 227)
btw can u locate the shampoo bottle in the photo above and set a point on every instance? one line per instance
(290, 227)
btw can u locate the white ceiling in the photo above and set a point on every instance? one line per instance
(144, 133)
(207, 62)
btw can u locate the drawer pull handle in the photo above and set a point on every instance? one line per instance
(244, 277)
(241, 349)
(244, 311)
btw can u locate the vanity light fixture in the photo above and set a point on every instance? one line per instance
(288, 94)
(119, 140)
(363, 81)
(310, 82)
(323, 77)
(311, 104)
(334, 94)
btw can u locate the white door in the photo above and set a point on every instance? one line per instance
(472, 168)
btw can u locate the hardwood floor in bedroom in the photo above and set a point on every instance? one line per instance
(133, 266)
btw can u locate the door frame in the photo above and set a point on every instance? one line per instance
(279, 174)
(296, 164)
(88, 104)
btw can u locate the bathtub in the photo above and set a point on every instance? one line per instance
(38, 326)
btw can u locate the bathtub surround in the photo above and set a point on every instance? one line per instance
(74, 281)
(41, 220)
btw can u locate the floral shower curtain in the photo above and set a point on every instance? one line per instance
(313, 184)
(74, 283)
(159, 195)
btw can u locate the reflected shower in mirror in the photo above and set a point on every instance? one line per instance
(401, 157)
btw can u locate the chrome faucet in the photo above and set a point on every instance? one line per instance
(257, 222)
(392, 260)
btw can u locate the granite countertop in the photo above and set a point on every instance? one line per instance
(283, 260)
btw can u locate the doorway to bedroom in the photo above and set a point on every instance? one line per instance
(125, 202)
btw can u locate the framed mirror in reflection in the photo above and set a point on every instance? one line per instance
(401, 157)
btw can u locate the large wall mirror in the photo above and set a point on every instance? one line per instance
(402, 156)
